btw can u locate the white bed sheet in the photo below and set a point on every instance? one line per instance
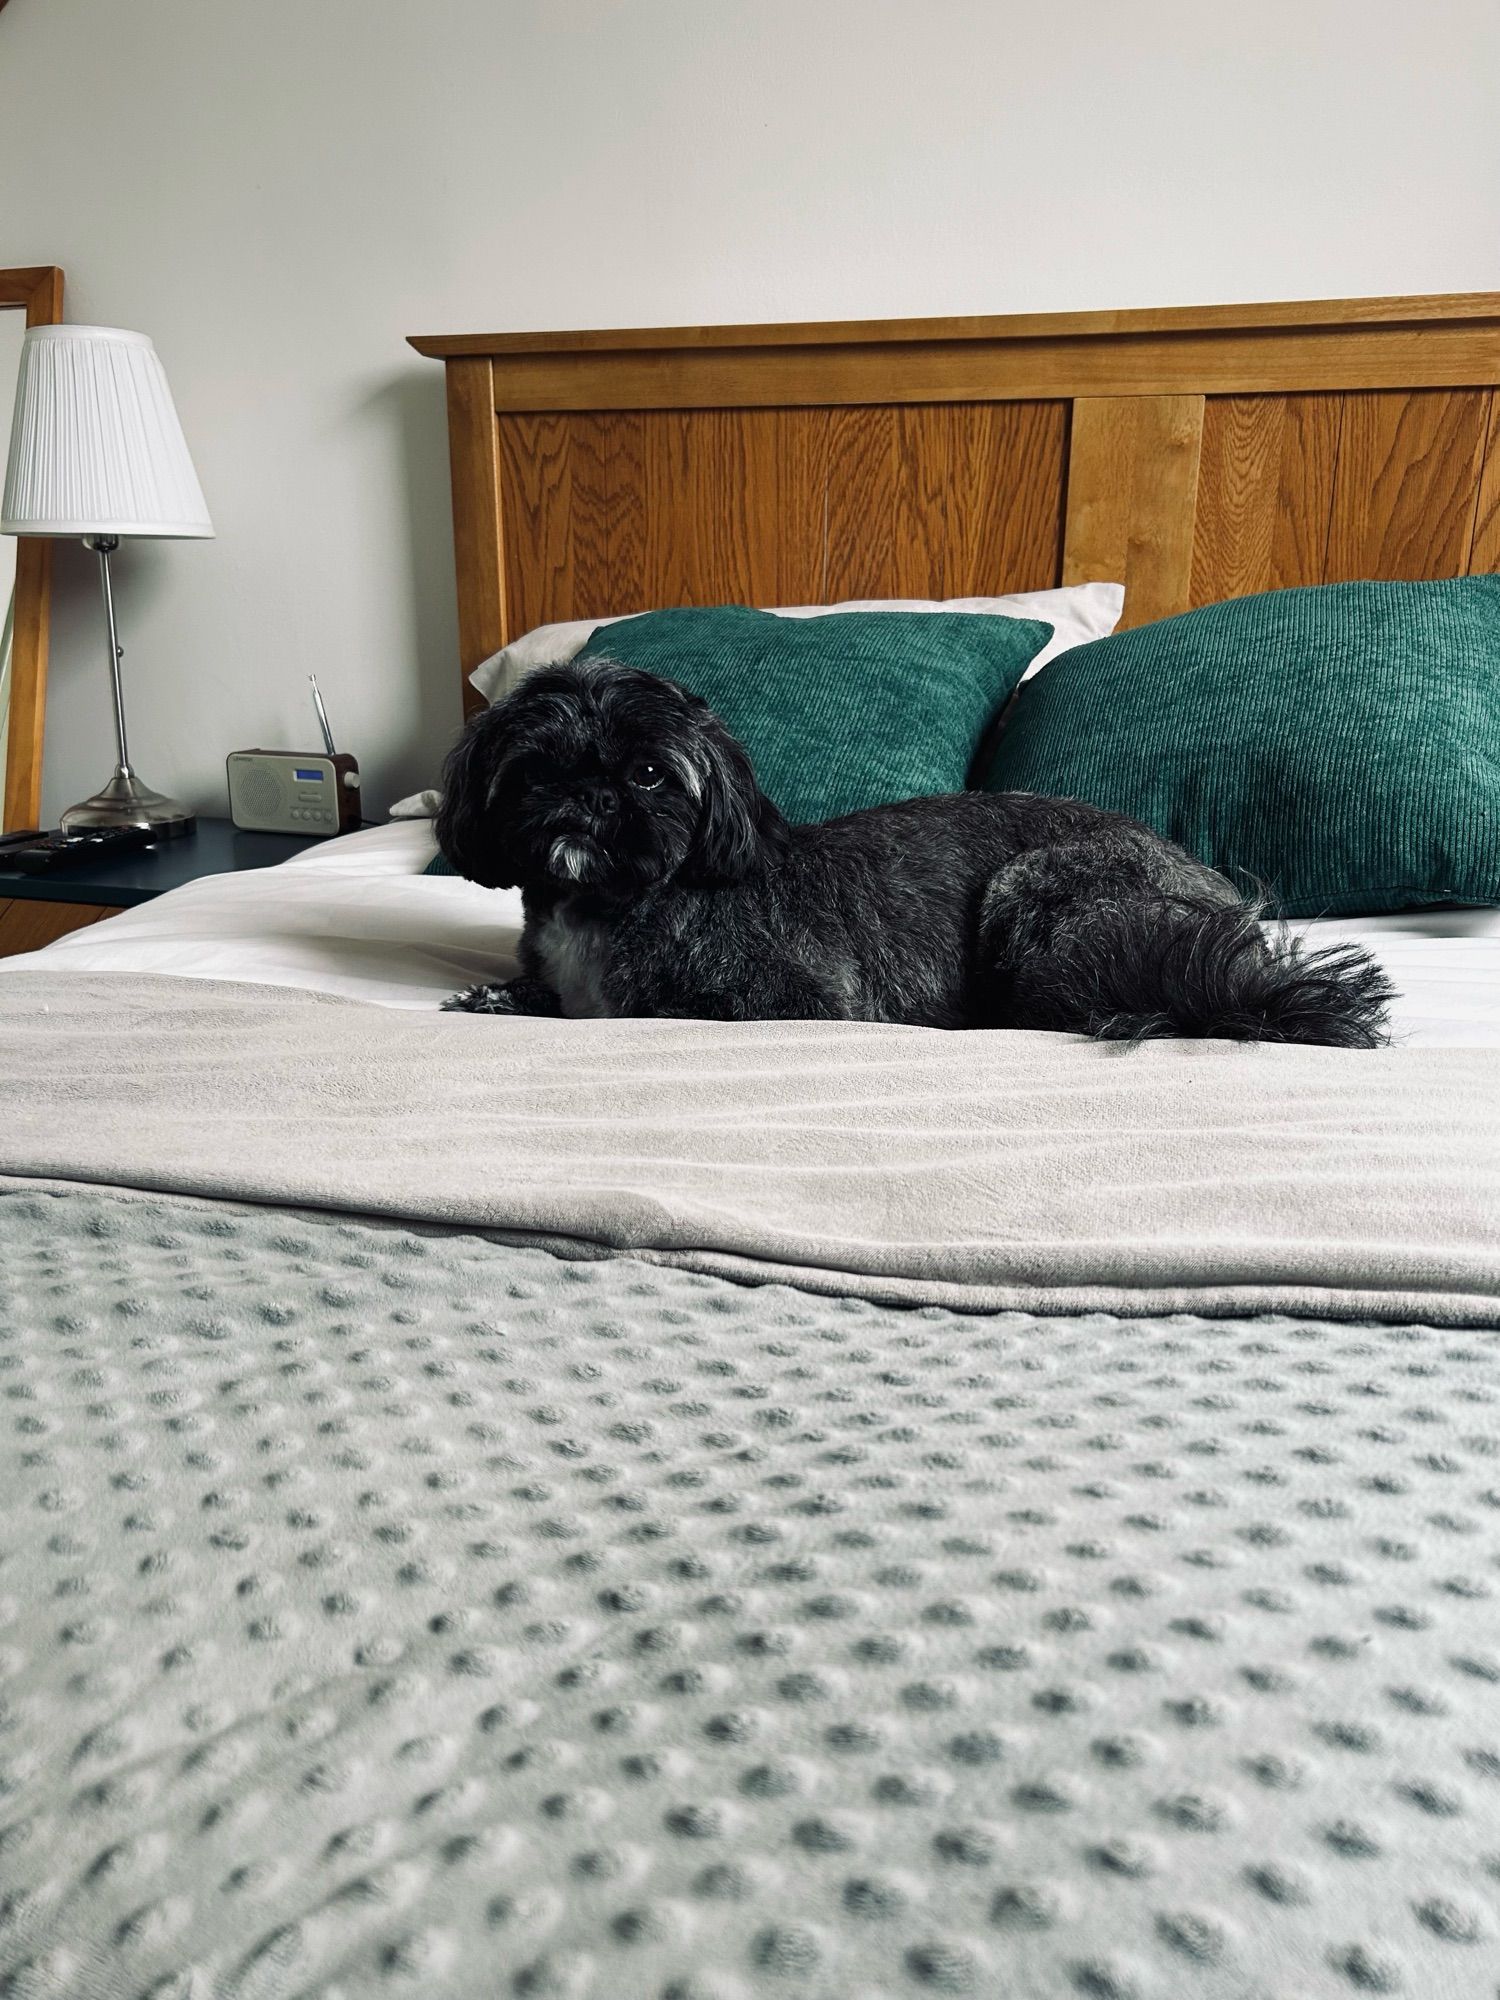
(356, 916)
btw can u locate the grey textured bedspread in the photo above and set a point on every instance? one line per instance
(386, 1612)
(1038, 1172)
(391, 1606)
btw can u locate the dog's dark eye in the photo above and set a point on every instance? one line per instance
(647, 777)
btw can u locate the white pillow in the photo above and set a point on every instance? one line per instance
(1081, 612)
(419, 805)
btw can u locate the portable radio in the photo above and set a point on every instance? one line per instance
(310, 792)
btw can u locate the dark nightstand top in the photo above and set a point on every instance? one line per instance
(216, 847)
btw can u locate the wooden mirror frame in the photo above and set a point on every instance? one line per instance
(38, 291)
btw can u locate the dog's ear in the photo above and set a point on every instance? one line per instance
(738, 825)
(466, 820)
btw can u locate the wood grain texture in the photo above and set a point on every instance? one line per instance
(1265, 494)
(945, 500)
(1101, 477)
(804, 475)
(1304, 512)
(1410, 310)
(625, 510)
(589, 483)
(36, 290)
(863, 472)
(1484, 541)
(757, 485)
(540, 510)
(27, 717)
(1239, 496)
(1132, 499)
(1163, 514)
(1404, 485)
(619, 511)
(1005, 498)
(1195, 454)
(478, 527)
(27, 924)
(1451, 354)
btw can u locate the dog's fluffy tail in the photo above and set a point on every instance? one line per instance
(1184, 968)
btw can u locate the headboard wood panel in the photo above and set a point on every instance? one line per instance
(1195, 453)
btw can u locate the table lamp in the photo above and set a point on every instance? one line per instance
(96, 451)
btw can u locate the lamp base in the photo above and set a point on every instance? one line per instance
(125, 801)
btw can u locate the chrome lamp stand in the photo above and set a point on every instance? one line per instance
(124, 801)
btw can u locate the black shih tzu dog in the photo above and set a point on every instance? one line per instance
(658, 879)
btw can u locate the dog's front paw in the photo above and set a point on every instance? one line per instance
(510, 996)
(483, 999)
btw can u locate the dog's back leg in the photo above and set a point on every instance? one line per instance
(1135, 940)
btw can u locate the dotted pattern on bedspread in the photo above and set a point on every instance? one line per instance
(384, 1614)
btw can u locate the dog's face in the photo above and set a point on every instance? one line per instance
(600, 778)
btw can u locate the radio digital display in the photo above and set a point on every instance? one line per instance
(308, 777)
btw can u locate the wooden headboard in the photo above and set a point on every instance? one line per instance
(1197, 453)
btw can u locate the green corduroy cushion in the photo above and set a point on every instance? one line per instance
(850, 710)
(1340, 745)
(438, 865)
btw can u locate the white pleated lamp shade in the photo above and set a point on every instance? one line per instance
(96, 448)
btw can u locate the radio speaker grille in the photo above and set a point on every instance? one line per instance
(259, 792)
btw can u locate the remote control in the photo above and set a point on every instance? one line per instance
(66, 850)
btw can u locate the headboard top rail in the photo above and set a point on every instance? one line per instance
(1416, 310)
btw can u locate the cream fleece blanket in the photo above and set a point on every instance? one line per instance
(1021, 1171)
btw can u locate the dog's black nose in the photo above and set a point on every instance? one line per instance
(596, 798)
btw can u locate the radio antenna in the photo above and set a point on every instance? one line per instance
(322, 717)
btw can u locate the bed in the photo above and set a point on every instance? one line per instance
(698, 1510)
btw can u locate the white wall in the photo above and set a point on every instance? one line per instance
(280, 191)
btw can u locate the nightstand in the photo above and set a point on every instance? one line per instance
(35, 909)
